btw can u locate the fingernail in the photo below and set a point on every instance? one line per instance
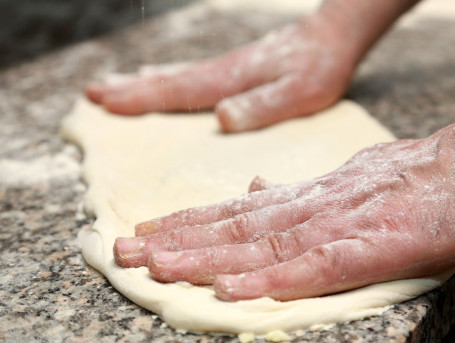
(127, 247)
(227, 281)
(146, 228)
(223, 286)
(245, 286)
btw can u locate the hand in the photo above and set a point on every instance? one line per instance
(388, 213)
(295, 71)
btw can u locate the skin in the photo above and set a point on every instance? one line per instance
(387, 214)
(295, 71)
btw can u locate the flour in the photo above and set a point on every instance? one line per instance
(38, 170)
(151, 172)
(134, 172)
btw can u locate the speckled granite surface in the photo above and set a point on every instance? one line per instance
(49, 294)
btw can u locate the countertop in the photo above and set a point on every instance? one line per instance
(49, 294)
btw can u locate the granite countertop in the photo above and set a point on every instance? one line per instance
(49, 294)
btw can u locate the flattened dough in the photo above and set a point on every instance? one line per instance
(143, 167)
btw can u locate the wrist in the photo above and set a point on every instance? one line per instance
(359, 24)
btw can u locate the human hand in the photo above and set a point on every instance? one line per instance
(388, 213)
(295, 71)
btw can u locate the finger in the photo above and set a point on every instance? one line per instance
(164, 95)
(220, 211)
(129, 252)
(151, 70)
(260, 184)
(112, 83)
(325, 269)
(192, 87)
(200, 266)
(343, 192)
(242, 228)
(288, 97)
(116, 83)
(94, 91)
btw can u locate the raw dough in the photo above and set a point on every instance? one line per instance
(143, 167)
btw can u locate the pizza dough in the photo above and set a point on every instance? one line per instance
(143, 167)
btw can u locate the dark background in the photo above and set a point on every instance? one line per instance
(29, 28)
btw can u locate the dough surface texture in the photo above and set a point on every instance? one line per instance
(144, 167)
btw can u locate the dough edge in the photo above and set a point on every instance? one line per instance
(260, 316)
(192, 308)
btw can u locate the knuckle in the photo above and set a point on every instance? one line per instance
(324, 253)
(238, 228)
(278, 247)
(286, 246)
(324, 259)
(444, 148)
(391, 223)
(448, 135)
(398, 179)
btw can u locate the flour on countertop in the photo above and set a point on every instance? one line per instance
(38, 170)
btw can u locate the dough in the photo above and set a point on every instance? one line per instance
(143, 167)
